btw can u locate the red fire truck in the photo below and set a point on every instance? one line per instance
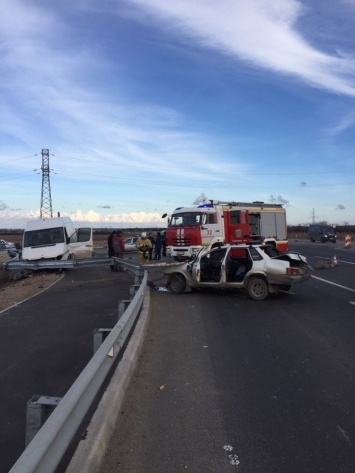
(213, 222)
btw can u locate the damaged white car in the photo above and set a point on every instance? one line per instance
(260, 269)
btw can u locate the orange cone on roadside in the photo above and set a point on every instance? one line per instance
(335, 261)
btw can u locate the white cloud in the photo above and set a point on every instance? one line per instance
(265, 33)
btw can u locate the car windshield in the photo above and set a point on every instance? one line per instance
(47, 236)
(329, 230)
(185, 219)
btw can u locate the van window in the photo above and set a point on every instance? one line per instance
(81, 235)
(44, 237)
(84, 234)
(70, 230)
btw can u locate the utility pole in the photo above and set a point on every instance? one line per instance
(46, 197)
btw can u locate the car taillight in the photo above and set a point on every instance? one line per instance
(292, 271)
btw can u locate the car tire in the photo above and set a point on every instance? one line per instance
(177, 284)
(257, 289)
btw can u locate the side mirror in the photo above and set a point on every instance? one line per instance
(164, 215)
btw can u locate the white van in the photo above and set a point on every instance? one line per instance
(56, 238)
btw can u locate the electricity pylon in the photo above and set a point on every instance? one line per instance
(46, 197)
(313, 217)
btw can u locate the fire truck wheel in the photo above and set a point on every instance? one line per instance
(257, 289)
(177, 284)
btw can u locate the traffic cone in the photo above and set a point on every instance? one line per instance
(335, 261)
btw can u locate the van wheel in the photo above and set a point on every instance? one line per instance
(257, 289)
(177, 284)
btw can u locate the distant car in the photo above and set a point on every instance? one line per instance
(260, 269)
(322, 233)
(9, 247)
(130, 243)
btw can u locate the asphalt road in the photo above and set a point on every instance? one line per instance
(226, 383)
(46, 342)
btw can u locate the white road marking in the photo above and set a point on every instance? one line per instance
(333, 283)
(344, 435)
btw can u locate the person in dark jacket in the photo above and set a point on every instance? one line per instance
(158, 246)
(109, 243)
(110, 247)
(152, 240)
(164, 243)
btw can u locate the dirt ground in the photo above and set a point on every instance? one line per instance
(14, 292)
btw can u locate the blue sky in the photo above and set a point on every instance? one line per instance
(147, 105)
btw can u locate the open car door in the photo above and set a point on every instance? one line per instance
(209, 266)
(81, 243)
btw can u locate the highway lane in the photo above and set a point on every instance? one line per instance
(46, 342)
(226, 383)
(343, 274)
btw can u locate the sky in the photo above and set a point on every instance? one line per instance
(149, 105)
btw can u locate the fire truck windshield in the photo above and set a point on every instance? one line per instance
(185, 219)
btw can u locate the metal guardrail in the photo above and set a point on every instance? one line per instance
(47, 448)
(18, 264)
(54, 264)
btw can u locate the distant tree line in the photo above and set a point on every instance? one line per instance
(302, 229)
(299, 230)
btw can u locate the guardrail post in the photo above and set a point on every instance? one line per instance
(100, 335)
(122, 307)
(39, 408)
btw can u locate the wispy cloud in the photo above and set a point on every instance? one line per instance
(346, 122)
(58, 99)
(263, 33)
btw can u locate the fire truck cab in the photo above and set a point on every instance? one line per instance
(212, 223)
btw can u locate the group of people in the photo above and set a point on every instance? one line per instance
(148, 246)
(115, 243)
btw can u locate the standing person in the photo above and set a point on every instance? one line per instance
(164, 243)
(109, 244)
(143, 245)
(110, 247)
(158, 246)
(118, 245)
(152, 240)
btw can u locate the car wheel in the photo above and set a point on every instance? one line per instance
(177, 284)
(257, 289)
